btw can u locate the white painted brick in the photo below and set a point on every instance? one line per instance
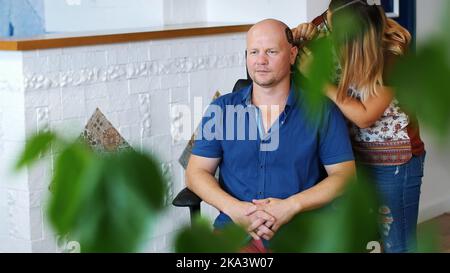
(18, 222)
(11, 179)
(212, 49)
(120, 103)
(11, 152)
(146, 144)
(13, 100)
(102, 103)
(117, 56)
(3, 213)
(30, 54)
(117, 89)
(96, 91)
(199, 84)
(76, 49)
(179, 95)
(18, 198)
(48, 52)
(160, 115)
(129, 117)
(96, 59)
(202, 49)
(37, 98)
(180, 50)
(37, 65)
(162, 148)
(73, 102)
(135, 137)
(144, 85)
(177, 80)
(159, 52)
(48, 231)
(39, 198)
(13, 245)
(138, 54)
(131, 134)
(44, 246)
(30, 121)
(71, 62)
(36, 224)
(55, 104)
(69, 128)
(40, 174)
(13, 124)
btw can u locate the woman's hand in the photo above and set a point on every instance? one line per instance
(306, 31)
(305, 61)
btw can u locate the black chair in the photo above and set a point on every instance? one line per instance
(187, 198)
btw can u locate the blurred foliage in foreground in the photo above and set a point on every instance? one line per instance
(347, 225)
(106, 202)
(200, 238)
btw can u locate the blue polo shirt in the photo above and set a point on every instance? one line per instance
(288, 159)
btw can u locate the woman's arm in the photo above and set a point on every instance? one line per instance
(362, 113)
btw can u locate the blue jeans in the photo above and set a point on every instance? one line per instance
(399, 193)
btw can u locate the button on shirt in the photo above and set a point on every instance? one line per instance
(287, 160)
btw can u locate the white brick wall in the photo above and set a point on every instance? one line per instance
(135, 85)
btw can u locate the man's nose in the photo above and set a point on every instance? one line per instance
(262, 59)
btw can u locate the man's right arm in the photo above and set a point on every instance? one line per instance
(200, 179)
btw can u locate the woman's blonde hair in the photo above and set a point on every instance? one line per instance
(363, 57)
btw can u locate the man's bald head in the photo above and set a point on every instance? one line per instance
(270, 25)
(270, 54)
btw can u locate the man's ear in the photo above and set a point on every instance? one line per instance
(294, 53)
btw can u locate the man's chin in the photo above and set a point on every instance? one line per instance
(265, 83)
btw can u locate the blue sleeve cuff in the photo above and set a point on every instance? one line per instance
(338, 159)
(206, 153)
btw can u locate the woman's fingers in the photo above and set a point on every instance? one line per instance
(311, 33)
(305, 32)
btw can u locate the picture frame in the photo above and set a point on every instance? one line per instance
(392, 8)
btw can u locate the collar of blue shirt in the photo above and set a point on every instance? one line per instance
(247, 96)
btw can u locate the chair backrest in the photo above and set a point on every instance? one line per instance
(241, 84)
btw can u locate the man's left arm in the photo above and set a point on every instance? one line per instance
(313, 198)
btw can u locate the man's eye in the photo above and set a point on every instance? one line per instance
(252, 52)
(272, 52)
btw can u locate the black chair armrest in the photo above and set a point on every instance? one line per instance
(186, 198)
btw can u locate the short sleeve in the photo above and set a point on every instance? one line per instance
(335, 144)
(208, 138)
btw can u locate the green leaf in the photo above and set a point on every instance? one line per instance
(347, 225)
(319, 74)
(76, 175)
(202, 239)
(105, 202)
(421, 82)
(36, 146)
(428, 239)
(444, 29)
(145, 177)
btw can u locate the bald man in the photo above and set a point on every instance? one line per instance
(291, 165)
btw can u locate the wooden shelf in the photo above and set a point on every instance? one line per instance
(122, 36)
